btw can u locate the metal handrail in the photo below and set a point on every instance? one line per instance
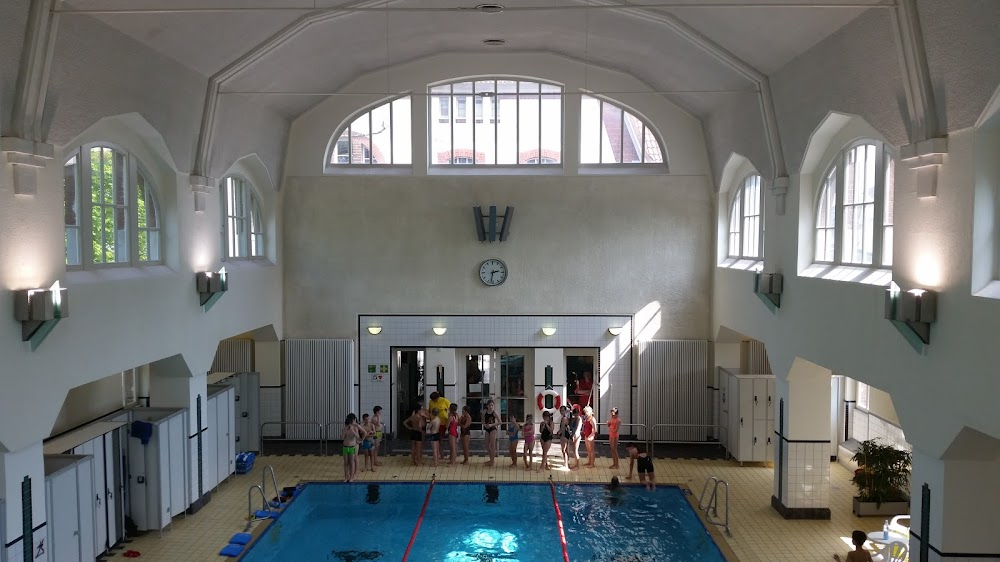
(274, 480)
(713, 504)
(322, 439)
(250, 514)
(651, 443)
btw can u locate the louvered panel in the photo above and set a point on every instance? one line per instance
(233, 356)
(753, 358)
(673, 388)
(318, 377)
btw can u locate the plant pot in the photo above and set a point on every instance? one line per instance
(870, 509)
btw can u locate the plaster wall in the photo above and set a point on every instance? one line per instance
(737, 126)
(88, 402)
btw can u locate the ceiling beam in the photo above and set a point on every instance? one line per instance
(425, 94)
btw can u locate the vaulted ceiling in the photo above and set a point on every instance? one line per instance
(321, 45)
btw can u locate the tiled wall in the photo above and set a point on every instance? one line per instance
(614, 380)
(866, 426)
(271, 399)
(806, 474)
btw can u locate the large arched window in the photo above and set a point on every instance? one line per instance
(854, 208)
(610, 134)
(243, 228)
(380, 136)
(746, 224)
(511, 122)
(111, 214)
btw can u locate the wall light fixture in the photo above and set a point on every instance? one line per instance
(916, 309)
(39, 310)
(548, 331)
(211, 285)
(615, 330)
(439, 330)
(374, 330)
(769, 286)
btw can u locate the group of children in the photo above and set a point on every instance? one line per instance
(368, 434)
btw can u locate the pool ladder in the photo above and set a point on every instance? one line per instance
(262, 489)
(711, 508)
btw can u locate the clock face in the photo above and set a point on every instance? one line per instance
(493, 272)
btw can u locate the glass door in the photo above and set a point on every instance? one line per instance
(514, 384)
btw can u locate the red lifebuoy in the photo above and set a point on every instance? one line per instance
(549, 392)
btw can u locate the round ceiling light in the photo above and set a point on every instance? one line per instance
(490, 8)
(494, 42)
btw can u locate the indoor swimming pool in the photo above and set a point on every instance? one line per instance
(485, 522)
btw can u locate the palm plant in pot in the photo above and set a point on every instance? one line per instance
(882, 478)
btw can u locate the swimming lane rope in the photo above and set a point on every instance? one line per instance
(420, 520)
(562, 533)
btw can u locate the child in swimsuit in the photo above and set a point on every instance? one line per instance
(589, 434)
(546, 431)
(377, 422)
(490, 424)
(453, 431)
(351, 435)
(565, 438)
(613, 424)
(645, 466)
(367, 443)
(512, 429)
(465, 424)
(529, 441)
(433, 434)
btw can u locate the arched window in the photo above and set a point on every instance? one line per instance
(378, 136)
(746, 225)
(857, 188)
(243, 222)
(111, 214)
(610, 134)
(512, 123)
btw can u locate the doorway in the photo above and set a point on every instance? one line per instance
(408, 382)
(582, 387)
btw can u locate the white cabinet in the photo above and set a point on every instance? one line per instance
(158, 469)
(219, 452)
(69, 503)
(747, 414)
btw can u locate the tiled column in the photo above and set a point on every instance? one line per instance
(22, 482)
(802, 472)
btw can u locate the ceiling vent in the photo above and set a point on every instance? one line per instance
(494, 42)
(490, 8)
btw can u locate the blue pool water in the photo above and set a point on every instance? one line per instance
(485, 522)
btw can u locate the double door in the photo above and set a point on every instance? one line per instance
(108, 486)
(500, 374)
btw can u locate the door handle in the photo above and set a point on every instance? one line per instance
(741, 422)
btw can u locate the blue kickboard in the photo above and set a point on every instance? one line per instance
(261, 514)
(241, 538)
(231, 550)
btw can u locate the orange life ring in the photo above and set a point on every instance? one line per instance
(541, 400)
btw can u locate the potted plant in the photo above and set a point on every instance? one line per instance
(882, 478)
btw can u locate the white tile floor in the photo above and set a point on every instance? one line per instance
(758, 532)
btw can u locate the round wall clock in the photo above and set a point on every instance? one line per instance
(493, 272)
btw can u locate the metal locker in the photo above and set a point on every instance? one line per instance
(69, 501)
(210, 442)
(247, 414)
(158, 470)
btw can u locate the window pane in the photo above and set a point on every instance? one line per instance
(653, 153)
(528, 141)
(381, 135)
(632, 140)
(71, 211)
(440, 132)
(140, 200)
(402, 132)
(551, 129)
(611, 123)
(154, 245)
(361, 140)
(887, 246)
(890, 191)
(734, 226)
(590, 130)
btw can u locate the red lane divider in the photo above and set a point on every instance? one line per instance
(420, 520)
(562, 533)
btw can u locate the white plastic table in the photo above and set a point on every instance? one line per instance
(876, 537)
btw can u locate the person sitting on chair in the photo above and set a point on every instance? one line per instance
(859, 554)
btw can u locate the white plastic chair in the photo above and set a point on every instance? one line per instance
(896, 552)
(896, 527)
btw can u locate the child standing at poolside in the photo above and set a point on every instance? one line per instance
(377, 422)
(645, 466)
(589, 434)
(433, 434)
(613, 424)
(367, 444)
(512, 429)
(465, 423)
(529, 441)
(351, 435)
(490, 424)
(546, 430)
(453, 431)
(565, 437)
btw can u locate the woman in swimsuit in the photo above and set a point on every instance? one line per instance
(512, 429)
(546, 431)
(453, 431)
(351, 435)
(465, 423)
(565, 438)
(589, 434)
(613, 424)
(529, 441)
(490, 423)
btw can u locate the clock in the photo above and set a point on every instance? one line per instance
(493, 272)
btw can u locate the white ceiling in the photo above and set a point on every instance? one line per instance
(331, 52)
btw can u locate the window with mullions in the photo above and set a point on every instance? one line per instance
(119, 223)
(513, 121)
(858, 188)
(378, 136)
(243, 227)
(610, 134)
(746, 225)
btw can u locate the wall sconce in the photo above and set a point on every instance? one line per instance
(374, 330)
(614, 331)
(548, 331)
(916, 308)
(39, 310)
(769, 286)
(439, 330)
(491, 230)
(210, 286)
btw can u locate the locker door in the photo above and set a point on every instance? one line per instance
(251, 407)
(239, 422)
(723, 410)
(85, 475)
(760, 399)
(771, 441)
(759, 441)
(224, 421)
(99, 498)
(178, 465)
(120, 439)
(745, 421)
(110, 494)
(210, 445)
(137, 483)
(62, 504)
(772, 399)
